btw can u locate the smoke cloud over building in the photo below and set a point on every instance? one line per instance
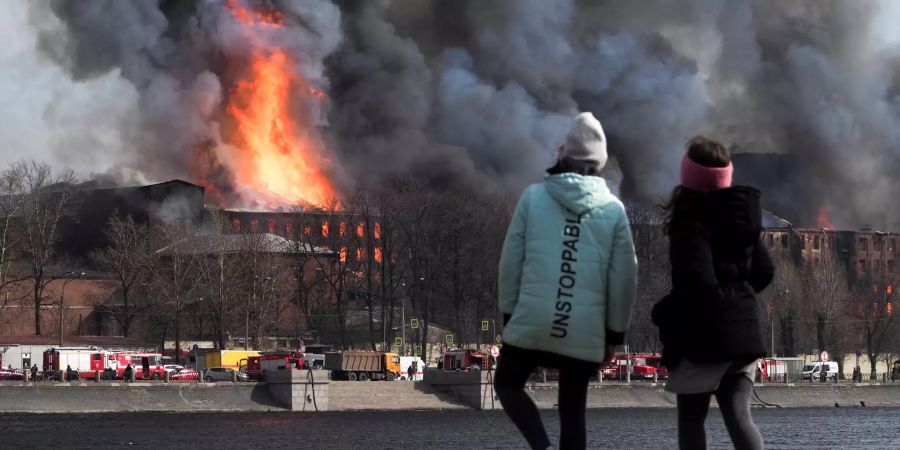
(475, 93)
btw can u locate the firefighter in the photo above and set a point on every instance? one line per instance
(129, 371)
(33, 372)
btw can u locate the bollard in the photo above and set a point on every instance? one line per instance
(166, 377)
(654, 377)
(234, 377)
(97, 376)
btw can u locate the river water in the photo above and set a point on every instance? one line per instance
(415, 430)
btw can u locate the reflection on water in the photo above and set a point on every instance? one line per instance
(608, 428)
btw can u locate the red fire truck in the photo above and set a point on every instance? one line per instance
(256, 366)
(146, 366)
(643, 366)
(463, 360)
(84, 360)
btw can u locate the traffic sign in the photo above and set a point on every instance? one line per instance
(823, 356)
(398, 340)
(414, 323)
(499, 339)
(485, 325)
(449, 338)
(302, 348)
(418, 348)
(495, 351)
(858, 353)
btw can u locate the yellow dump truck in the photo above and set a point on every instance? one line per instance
(205, 358)
(362, 366)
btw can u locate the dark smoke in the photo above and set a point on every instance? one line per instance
(478, 93)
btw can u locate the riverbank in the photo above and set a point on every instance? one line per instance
(91, 397)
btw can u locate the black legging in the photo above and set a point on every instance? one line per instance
(733, 396)
(512, 374)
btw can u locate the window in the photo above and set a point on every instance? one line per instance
(891, 244)
(254, 226)
(360, 254)
(890, 266)
(377, 231)
(360, 230)
(236, 226)
(784, 241)
(325, 228)
(378, 255)
(273, 226)
(342, 229)
(289, 229)
(803, 243)
(815, 242)
(876, 266)
(307, 230)
(878, 244)
(863, 244)
(770, 241)
(343, 254)
(862, 265)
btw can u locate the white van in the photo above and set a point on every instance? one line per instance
(813, 370)
(405, 362)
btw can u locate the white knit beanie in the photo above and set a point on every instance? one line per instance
(585, 141)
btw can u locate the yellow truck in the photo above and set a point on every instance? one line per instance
(205, 358)
(363, 366)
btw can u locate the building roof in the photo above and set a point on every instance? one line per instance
(211, 243)
(770, 220)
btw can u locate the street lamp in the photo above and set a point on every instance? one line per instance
(62, 301)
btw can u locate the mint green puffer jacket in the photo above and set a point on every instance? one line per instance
(568, 270)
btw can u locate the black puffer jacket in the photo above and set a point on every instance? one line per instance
(718, 267)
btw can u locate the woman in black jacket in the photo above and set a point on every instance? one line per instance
(709, 323)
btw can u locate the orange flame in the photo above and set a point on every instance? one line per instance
(275, 156)
(822, 220)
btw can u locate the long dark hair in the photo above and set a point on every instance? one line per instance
(567, 165)
(686, 202)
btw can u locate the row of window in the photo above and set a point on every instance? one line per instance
(817, 242)
(875, 266)
(287, 229)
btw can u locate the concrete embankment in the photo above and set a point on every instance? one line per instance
(440, 391)
(107, 397)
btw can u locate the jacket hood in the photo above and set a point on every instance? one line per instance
(734, 215)
(578, 193)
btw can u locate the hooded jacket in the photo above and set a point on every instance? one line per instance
(718, 266)
(568, 268)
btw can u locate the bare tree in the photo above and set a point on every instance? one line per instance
(11, 203)
(222, 282)
(175, 274)
(781, 300)
(47, 199)
(880, 329)
(124, 260)
(827, 293)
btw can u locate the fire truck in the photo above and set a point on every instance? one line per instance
(84, 360)
(463, 360)
(256, 366)
(643, 366)
(146, 366)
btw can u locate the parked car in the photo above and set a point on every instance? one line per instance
(813, 370)
(172, 368)
(223, 374)
(184, 375)
(11, 375)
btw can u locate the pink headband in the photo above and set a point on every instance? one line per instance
(701, 178)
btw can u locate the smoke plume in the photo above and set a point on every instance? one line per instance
(475, 93)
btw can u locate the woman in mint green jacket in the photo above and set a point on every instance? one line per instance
(567, 284)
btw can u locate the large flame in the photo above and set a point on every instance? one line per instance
(275, 157)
